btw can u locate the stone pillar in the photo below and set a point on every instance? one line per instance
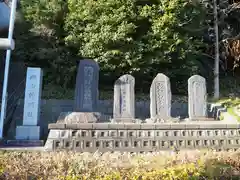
(86, 92)
(197, 98)
(160, 98)
(30, 130)
(124, 100)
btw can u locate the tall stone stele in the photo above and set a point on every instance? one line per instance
(30, 130)
(197, 98)
(160, 99)
(124, 99)
(86, 95)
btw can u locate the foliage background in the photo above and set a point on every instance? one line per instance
(140, 37)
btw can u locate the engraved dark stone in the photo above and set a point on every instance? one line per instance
(86, 92)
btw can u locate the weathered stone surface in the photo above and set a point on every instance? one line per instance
(160, 98)
(124, 98)
(197, 97)
(32, 100)
(79, 117)
(86, 92)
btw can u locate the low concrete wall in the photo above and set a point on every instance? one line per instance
(51, 109)
(103, 137)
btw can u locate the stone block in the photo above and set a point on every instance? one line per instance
(148, 126)
(132, 133)
(57, 126)
(117, 126)
(132, 126)
(113, 133)
(192, 126)
(28, 133)
(49, 145)
(162, 126)
(178, 126)
(68, 144)
(78, 145)
(77, 126)
(212, 126)
(125, 120)
(100, 126)
(233, 126)
(64, 134)
(54, 134)
(122, 134)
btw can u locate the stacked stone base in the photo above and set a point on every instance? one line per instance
(144, 137)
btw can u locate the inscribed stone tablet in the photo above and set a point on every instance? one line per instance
(160, 97)
(32, 98)
(197, 97)
(124, 99)
(86, 92)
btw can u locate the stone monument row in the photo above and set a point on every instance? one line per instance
(83, 129)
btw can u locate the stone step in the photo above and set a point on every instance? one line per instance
(24, 143)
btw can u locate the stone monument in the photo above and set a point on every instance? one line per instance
(160, 99)
(30, 130)
(124, 99)
(197, 98)
(86, 95)
(86, 91)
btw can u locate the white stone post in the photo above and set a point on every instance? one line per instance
(30, 130)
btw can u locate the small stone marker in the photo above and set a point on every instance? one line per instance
(124, 99)
(160, 98)
(197, 97)
(86, 92)
(32, 102)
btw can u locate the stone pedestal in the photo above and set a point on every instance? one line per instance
(28, 132)
(79, 117)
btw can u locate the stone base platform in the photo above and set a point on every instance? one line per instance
(142, 137)
(28, 132)
(24, 143)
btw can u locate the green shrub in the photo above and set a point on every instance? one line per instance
(138, 37)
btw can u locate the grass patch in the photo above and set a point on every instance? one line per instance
(115, 166)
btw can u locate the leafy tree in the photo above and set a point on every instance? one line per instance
(128, 36)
